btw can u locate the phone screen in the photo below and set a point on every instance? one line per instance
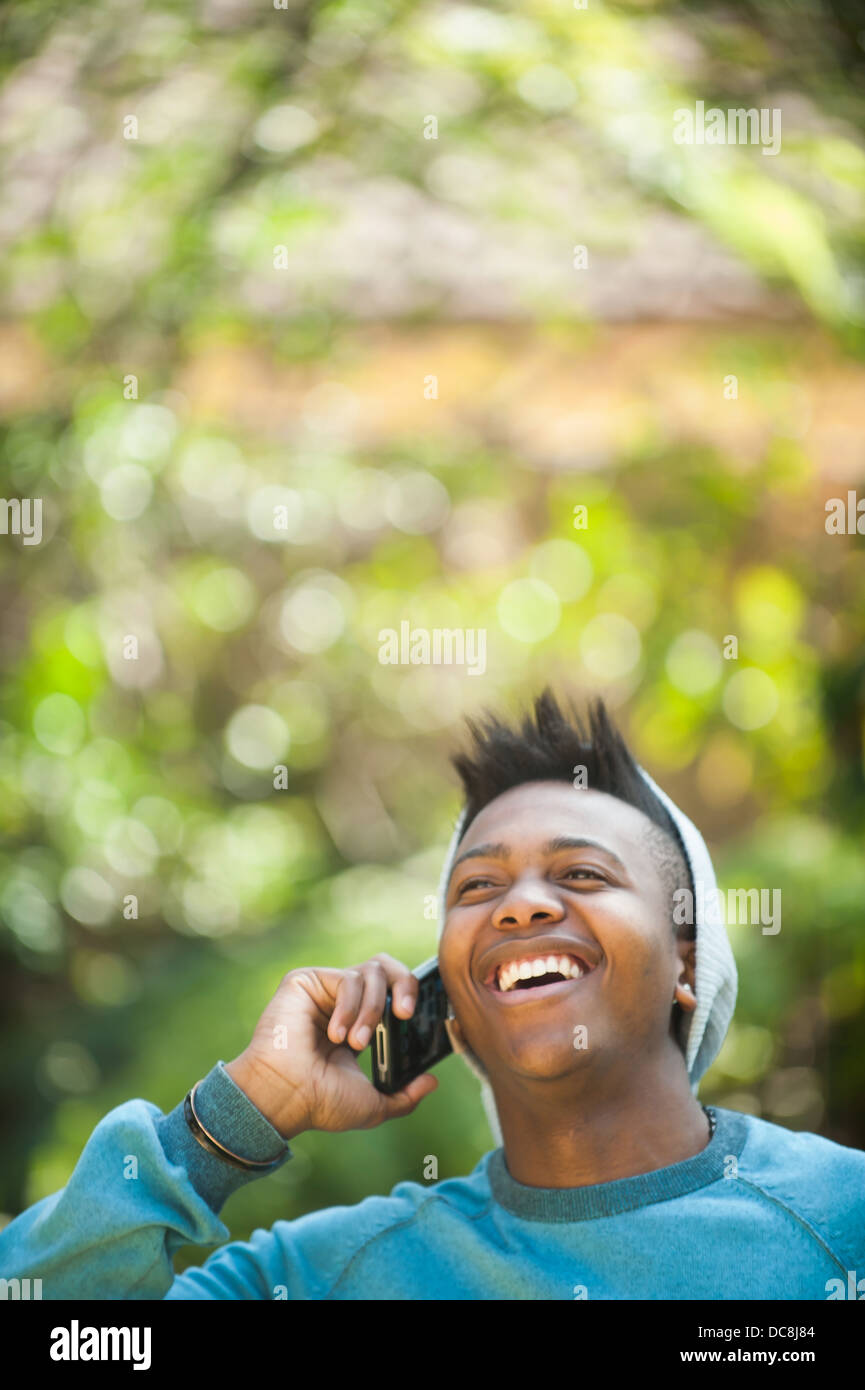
(403, 1048)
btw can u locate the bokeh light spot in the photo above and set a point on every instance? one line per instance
(528, 610)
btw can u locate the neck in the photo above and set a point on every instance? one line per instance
(616, 1129)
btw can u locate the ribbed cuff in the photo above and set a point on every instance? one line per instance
(230, 1116)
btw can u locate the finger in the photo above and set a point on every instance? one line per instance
(348, 996)
(405, 1101)
(371, 1005)
(403, 984)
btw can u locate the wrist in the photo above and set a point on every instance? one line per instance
(262, 1087)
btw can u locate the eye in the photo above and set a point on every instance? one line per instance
(590, 873)
(474, 883)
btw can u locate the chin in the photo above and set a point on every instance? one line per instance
(541, 1061)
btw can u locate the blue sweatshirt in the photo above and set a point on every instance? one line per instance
(760, 1213)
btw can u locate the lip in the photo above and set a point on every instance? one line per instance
(539, 993)
(585, 952)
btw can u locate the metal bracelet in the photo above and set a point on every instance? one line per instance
(213, 1146)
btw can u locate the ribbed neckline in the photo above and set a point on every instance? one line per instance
(624, 1194)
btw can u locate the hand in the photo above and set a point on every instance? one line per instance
(298, 1068)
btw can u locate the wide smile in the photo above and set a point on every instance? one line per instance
(538, 976)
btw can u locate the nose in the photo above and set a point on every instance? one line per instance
(527, 903)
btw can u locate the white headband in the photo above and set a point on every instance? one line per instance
(716, 978)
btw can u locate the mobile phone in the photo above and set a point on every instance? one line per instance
(403, 1048)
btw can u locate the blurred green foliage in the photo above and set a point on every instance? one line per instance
(238, 276)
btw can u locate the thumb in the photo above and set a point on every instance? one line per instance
(405, 1101)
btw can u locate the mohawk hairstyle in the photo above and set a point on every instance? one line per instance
(549, 749)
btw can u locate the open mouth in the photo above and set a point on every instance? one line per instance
(542, 972)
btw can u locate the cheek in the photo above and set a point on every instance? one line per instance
(454, 955)
(633, 940)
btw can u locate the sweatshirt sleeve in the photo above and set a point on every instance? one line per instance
(142, 1187)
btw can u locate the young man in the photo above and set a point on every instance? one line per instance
(590, 1018)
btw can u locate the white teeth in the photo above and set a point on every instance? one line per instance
(541, 965)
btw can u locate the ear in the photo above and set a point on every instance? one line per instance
(685, 995)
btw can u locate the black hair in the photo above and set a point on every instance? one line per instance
(551, 748)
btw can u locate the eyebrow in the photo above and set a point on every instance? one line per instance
(498, 850)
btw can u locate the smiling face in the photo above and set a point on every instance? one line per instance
(557, 872)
